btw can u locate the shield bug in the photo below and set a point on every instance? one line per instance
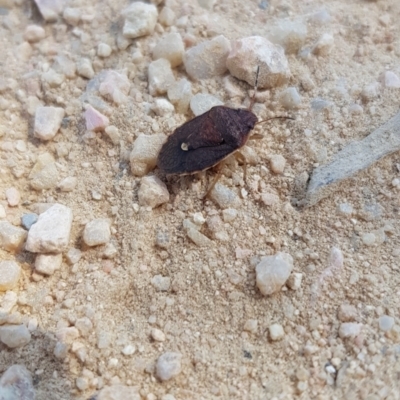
(207, 139)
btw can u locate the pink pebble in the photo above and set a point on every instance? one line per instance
(95, 121)
(13, 196)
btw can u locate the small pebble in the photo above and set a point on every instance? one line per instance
(202, 102)
(253, 51)
(113, 133)
(162, 240)
(68, 184)
(251, 326)
(386, 323)
(347, 313)
(168, 365)
(273, 272)
(52, 78)
(44, 174)
(13, 197)
(371, 91)
(324, 45)
(50, 10)
(104, 50)
(389, 79)
(115, 86)
(180, 94)
(48, 122)
(34, 33)
(161, 283)
(46, 264)
(345, 209)
(14, 335)
(276, 332)
(224, 196)
(143, 157)
(72, 15)
(152, 192)
(97, 232)
(119, 392)
(278, 163)
(294, 281)
(171, 48)
(198, 238)
(73, 256)
(229, 214)
(12, 237)
(109, 251)
(157, 335)
(84, 325)
(368, 239)
(166, 16)
(290, 98)
(207, 59)
(270, 199)
(291, 35)
(27, 220)
(85, 68)
(140, 20)
(60, 350)
(198, 218)
(349, 330)
(10, 273)
(160, 76)
(162, 107)
(50, 234)
(128, 350)
(95, 120)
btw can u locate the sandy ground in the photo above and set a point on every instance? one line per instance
(213, 292)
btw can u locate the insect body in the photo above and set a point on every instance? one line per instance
(206, 140)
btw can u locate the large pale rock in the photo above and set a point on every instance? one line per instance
(140, 20)
(255, 51)
(16, 384)
(143, 157)
(51, 232)
(208, 59)
(11, 237)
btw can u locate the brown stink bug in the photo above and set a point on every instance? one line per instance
(207, 139)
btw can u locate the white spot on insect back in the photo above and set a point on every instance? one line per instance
(184, 146)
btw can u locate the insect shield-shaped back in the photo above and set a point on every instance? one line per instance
(206, 140)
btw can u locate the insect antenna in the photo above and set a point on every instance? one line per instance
(253, 98)
(269, 119)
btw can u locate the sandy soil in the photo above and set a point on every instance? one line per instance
(213, 292)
